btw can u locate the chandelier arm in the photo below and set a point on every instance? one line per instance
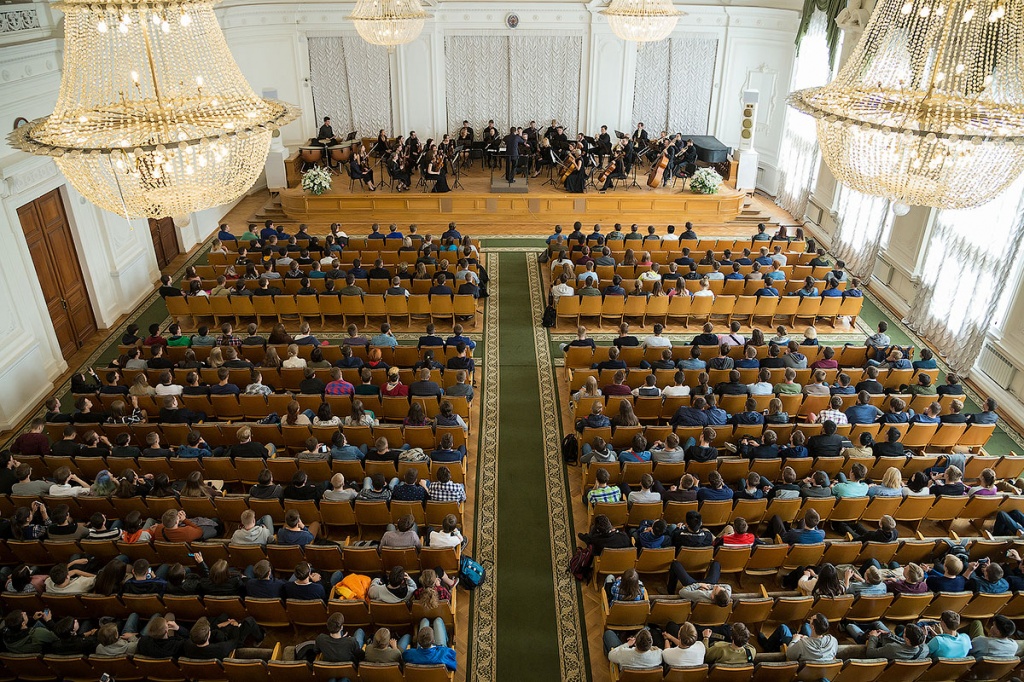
(149, 56)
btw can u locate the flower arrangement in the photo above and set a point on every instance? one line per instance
(316, 180)
(705, 181)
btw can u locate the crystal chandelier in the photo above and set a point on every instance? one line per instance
(929, 108)
(153, 117)
(642, 21)
(389, 22)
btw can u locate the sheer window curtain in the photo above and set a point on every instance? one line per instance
(679, 100)
(800, 157)
(862, 221)
(351, 82)
(970, 257)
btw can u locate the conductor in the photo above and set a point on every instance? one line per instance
(512, 142)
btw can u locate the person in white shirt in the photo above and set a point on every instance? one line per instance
(683, 647)
(763, 385)
(635, 652)
(705, 289)
(733, 338)
(252, 533)
(338, 492)
(562, 260)
(562, 288)
(678, 388)
(293, 361)
(449, 535)
(657, 340)
(670, 234)
(779, 257)
(645, 494)
(66, 580)
(588, 274)
(63, 478)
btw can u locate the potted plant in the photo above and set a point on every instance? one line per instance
(705, 181)
(316, 180)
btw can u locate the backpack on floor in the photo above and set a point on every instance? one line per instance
(581, 563)
(471, 573)
(570, 449)
(550, 316)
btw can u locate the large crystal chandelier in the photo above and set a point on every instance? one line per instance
(389, 22)
(929, 108)
(642, 21)
(153, 117)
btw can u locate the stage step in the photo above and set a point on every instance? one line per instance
(500, 185)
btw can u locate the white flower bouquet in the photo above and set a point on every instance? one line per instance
(316, 180)
(705, 181)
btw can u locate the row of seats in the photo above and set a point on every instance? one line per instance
(33, 668)
(793, 273)
(745, 309)
(735, 468)
(211, 272)
(846, 356)
(732, 287)
(792, 249)
(276, 308)
(764, 561)
(912, 436)
(225, 434)
(845, 670)
(912, 510)
(396, 356)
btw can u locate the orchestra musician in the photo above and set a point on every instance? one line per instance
(604, 144)
(513, 142)
(380, 147)
(576, 183)
(412, 152)
(531, 135)
(559, 140)
(398, 169)
(672, 149)
(491, 143)
(620, 171)
(640, 137)
(688, 162)
(465, 140)
(437, 172)
(552, 129)
(325, 138)
(359, 167)
(447, 146)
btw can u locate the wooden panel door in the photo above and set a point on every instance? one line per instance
(165, 240)
(52, 248)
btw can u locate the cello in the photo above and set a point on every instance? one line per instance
(571, 167)
(603, 176)
(656, 176)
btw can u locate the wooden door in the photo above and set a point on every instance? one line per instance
(165, 240)
(52, 248)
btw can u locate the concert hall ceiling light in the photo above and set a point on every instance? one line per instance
(389, 22)
(929, 108)
(154, 117)
(642, 21)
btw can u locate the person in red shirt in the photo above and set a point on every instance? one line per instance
(736, 535)
(174, 526)
(618, 385)
(155, 338)
(337, 385)
(34, 443)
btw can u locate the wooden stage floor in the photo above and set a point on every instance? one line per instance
(541, 205)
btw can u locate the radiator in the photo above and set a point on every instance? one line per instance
(997, 366)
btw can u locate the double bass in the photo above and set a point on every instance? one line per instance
(656, 176)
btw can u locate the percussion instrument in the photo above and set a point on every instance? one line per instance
(340, 153)
(311, 155)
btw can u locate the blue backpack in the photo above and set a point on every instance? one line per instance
(471, 573)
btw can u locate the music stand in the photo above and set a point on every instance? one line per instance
(632, 167)
(457, 167)
(555, 163)
(351, 136)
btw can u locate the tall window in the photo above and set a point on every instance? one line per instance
(800, 157)
(862, 221)
(969, 263)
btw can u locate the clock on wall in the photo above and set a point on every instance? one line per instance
(512, 21)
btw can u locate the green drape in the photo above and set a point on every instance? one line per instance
(831, 8)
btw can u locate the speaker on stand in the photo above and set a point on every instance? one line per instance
(746, 174)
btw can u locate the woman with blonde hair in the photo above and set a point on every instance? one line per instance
(394, 386)
(382, 648)
(705, 289)
(216, 358)
(293, 361)
(431, 591)
(589, 389)
(140, 386)
(890, 486)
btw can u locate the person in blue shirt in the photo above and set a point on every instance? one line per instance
(750, 415)
(945, 641)
(295, 532)
(767, 290)
(796, 448)
(949, 578)
(637, 453)
(431, 646)
(853, 291)
(735, 274)
(615, 288)
(306, 584)
(715, 490)
(268, 231)
(556, 236)
(929, 416)
(716, 416)
(808, 289)
(897, 414)
(927, 360)
(375, 232)
(225, 234)
(358, 271)
(341, 450)
(261, 583)
(842, 385)
(430, 339)
(694, 415)
(764, 259)
(451, 233)
(863, 412)
(988, 416)
(743, 259)
(986, 577)
(281, 234)
(803, 532)
(594, 420)
(653, 534)
(775, 273)
(457, 337)
(832, 289)
(394, 233)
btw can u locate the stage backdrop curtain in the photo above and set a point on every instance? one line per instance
(680, 103)
(556, 95)
(351, 83)
(968, 263)
(476, 78)
(493, 77)
(862, 221)
(800, 156)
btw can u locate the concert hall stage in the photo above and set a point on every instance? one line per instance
(541, 205)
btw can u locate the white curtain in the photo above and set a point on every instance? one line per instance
(800, 156)
(351, 83)
(496, 77)
(674, 78)
(477, 83)
(862, 221)
(968, 262)
(556, 95)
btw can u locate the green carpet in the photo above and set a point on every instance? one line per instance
(527, 642)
